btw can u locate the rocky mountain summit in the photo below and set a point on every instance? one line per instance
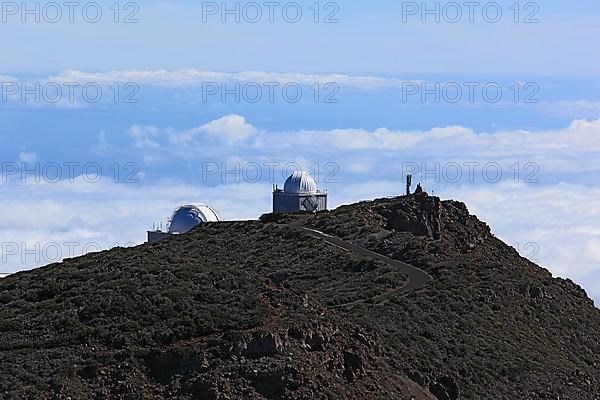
(265, 310)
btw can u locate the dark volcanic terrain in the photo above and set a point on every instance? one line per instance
(264, 310)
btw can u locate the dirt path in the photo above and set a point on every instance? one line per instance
(417, 278)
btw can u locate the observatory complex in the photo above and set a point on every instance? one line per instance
(184, 219)
(299, 193)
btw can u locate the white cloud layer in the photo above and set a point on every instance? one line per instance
(572, 149)
(194, 77)
(580, 134)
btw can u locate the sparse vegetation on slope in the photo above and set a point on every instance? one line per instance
(261, 310)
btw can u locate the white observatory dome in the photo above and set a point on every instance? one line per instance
(185, 218)
(300, 182)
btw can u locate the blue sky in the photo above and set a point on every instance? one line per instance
(369, 39)
(388, 101)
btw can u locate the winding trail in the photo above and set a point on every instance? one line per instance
(417, 278)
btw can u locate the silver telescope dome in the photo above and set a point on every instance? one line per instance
(187, 217)
(300, 182)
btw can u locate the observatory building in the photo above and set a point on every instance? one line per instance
(299, 193)
(184, 219)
